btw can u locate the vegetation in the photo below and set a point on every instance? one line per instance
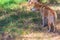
(14, 19)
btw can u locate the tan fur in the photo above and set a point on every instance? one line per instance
(46, 12)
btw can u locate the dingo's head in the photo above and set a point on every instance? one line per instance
(35, 5)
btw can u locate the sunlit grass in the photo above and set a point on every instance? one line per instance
(18, 21)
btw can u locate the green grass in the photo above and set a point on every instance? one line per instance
(15, 20)
(18, 20)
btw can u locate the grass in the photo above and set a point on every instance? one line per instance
(18, 21)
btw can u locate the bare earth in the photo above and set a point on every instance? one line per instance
(41, 36)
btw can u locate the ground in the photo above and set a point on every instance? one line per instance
(41, 35)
